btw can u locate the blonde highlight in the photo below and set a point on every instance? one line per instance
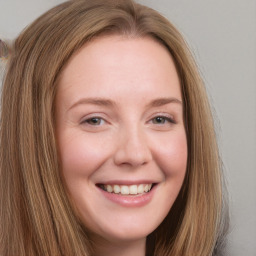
(33, 198)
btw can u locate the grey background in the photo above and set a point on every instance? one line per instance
(222, 36)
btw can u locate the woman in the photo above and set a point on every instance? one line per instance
(108, 145)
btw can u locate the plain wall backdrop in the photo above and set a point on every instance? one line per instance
(222, 36)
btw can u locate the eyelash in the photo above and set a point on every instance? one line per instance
(165, 118)
(87, 121)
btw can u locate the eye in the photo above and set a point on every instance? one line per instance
(160, 120)
(94, 121)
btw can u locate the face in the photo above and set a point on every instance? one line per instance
(121, 136)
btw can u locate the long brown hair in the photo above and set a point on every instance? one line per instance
(36, 217)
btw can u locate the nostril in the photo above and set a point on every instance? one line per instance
(132, 157)
(132, 147)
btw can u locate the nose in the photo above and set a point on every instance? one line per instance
(132, 148)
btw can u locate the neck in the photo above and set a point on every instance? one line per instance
(107, 248)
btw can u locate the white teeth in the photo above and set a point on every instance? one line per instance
(117, 189)
(125, 190)
(109, 188)
(133, 189)
(128, 190)
(141, 188)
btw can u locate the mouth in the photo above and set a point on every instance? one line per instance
(135, 189)
(128, 194)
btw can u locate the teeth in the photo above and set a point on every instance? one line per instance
(117, 189)
(133, 190)
(128, 190)
(125, 190)
(141, 188)
(109, 188)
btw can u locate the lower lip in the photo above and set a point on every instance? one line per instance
(130, 201)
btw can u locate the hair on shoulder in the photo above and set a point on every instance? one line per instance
(36, 216)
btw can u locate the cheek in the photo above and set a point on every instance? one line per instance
(171, 154)
(81, 155)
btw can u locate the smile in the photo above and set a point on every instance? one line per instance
(127, 189)
(128, 195)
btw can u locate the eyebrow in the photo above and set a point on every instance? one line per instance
(163, 101)
(94, 101)
(109, 103)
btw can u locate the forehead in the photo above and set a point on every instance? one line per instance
(113, 63)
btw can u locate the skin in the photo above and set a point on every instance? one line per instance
(131, 88)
